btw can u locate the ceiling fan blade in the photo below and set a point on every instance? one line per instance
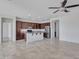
(71, 6)
(64, 3)
(55, 11)
(66, 11)
(53, 7)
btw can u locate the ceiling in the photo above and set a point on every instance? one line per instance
(38, 9)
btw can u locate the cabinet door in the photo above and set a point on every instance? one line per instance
(18, 30)
(18, 26)
(24, 25)
(37, 26)
(42, 26)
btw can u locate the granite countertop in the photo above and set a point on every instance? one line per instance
(34, 30)
(37, 32)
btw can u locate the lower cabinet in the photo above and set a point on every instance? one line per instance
(31, 37)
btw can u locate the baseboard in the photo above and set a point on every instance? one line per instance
(71, 41)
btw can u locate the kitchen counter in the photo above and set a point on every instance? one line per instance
(34, 34)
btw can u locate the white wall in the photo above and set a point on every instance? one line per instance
(0, 29)
(52, 28)
(14, 29)
(69, 27)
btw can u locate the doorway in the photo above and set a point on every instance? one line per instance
(56, 29)
(6, 29)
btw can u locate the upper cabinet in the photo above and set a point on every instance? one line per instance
(44, 24)
(26, 25)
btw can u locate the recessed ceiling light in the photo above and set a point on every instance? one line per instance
(39, 17)
(29, 14)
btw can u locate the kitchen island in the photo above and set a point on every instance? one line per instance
(34, 35)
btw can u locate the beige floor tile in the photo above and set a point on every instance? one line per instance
(45, 49)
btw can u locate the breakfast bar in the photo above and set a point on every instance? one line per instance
(34, 35)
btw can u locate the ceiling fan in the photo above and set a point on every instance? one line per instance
(63, 7)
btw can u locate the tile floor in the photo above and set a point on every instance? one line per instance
(45, 49)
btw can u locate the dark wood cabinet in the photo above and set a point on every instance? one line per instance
(18, 30)
(44, 24)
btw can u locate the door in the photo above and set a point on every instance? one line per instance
(6, 31)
